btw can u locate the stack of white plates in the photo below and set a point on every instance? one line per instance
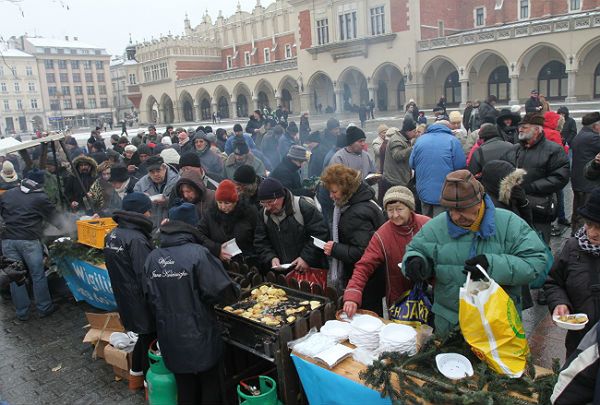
(336, 329)
(395, 337)
(365, 332)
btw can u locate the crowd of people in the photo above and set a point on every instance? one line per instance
(443, 197)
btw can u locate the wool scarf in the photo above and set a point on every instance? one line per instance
(585, 244)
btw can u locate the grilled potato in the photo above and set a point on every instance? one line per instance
(315, 304)
(228, 309)
(290, 319)
(304, 303)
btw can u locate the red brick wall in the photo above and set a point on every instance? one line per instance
(399, 14)
(188, 69)
(259, 56)
(304, 25)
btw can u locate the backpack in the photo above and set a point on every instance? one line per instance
(296, 208)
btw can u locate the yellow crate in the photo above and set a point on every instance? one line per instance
(91, 232)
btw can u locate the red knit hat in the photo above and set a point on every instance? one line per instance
(226, 192)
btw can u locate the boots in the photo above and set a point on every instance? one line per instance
(136, 380)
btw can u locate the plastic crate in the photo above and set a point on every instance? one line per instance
(91, 232)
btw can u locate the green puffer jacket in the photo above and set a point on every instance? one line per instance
(514, 251)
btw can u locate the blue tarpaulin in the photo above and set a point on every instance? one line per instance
(324, 387)
(89, 283)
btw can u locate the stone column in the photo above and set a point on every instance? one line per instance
(233, 111)
(514, 90)
(255, 101)
(464, 92)
(213, 106)
(198, 112)
(161, 115)
(372, 95)
(277, 98)
(305, 103)
(339, 100)
(571, 80)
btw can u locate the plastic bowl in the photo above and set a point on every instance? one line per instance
(571, 326)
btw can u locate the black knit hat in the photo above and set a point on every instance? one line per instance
(245, 174)
(292, 128)
(591, 118)
(191, 159)
(154, 162)
(240, 147)
(408, 125)
(354, 134)
(119, 173)
(137, 202)
(488, 131)
(238, 128)
(314, 137)
(184, 212)
(144, 149)
(270, 189)
(591, 209)
(332, 123)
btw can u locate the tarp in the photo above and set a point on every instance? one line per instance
(89, 283)
(9, 144)
(324, 387)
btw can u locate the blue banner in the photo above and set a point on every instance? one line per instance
(89, 283)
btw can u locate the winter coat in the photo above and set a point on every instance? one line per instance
(116, 202)
(205, 197)
(491, 149)
(546, 165)
(396, 167)
(126, 248)
(216, 228)
(569, 130)
(386, 248)
(361, 162)
(231, 165)
(73, 190)
(304, 129)
(186, 147)
(486, 110)
(284, 144)
(269, 146)
(467, 117)
(532, 104)
(585, 147)
(183, 282)
(288, 174)
(569, 283)
(288, 239)
(508, 133)
(101, 192)
(231, 140)
(24, 210)
(317, 158)
(147, 186)
(211, 162)
(550, 124)
(376, 146)
(514, 251)
(435, 154)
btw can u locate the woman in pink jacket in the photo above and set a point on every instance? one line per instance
(386, 248)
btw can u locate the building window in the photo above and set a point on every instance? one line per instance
(523, 9)
(267, 55)
(89, 77)
(229, 62)
(597, 82)
(574, 5)
(74, 64)
(377, 21)
(499, 84)
(77, 77)
(90, 90)
(17, 87)
(348, 25)
(99, 64)
(50, 77)
(1, 71)
(552, 81)
(14, 71)
(19, 105)
(323, 31)
(146, 73)
(164, 70)
(441, 29)
(62, 64)
(6, 105)
(452, 89)
(100, 77)
(79, 103)
(31, 86)
(3, 87)
(67, 104)
(64, 77)
(102, 89)
(34, 103)
(49, 64)
(78, 90)
(132, 78)
(103, 103)
(28, 71)
(479, 16)
(65, 90)
(92, 103)
(288, 51)
(87, 64)
(247, 58)
(52, 91)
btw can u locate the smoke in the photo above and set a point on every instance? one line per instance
(62, 224)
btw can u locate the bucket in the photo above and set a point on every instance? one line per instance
(267, 387)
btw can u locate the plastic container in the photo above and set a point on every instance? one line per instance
(268, 391)
(91, 232)
(161, 385)
(569, 325)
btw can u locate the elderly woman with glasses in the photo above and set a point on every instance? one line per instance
(386, 249)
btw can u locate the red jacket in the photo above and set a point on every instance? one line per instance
(386, 247)
(550, 124)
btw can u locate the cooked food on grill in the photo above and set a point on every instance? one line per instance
(315, 304)
(290, 319)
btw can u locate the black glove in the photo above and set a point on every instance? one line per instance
(471, 267)
(415, 269)
(10, 274)
(518, 195)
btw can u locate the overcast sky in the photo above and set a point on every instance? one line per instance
(107, 23)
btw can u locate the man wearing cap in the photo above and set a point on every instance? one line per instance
(24, 209)
(126, 248)
(151, 137)
(473, 232)
(212, 162)
(238, 135)
(586, 149)
(122, 184)
(288, 171)
(435, 154)
(353, 155)
(190, 163)
(241, 155)
(487, 109)
(289, 138)
(396, 167)
(157, 184)
(533, 104)
(285, 228)
(247, 183)
(547, 167)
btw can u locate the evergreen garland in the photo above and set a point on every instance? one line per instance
(486, 387)
(65, 248)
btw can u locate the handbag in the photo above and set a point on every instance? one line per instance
(413, 308)
(543, 207)
(312, 275)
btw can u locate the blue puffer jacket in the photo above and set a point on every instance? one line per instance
(434, 155)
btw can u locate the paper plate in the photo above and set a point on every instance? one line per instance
(571, 326)
(454, 366)
(366, 323)
(397, 333)
(336, 329)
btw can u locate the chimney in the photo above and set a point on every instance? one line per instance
(66, 37)
(75, 39)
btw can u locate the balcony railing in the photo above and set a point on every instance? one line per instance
(517, 30)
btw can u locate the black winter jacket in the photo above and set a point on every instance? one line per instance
(486, 110)
(569, 131)
(73, 190)
(585, 147)
(570, 282)
(491, 149)
(290, 239)
(532, 104)
(126, 248)
(317, 158)
(289, 175)
(546, 164)
(216, 228)
(24, 210)
(183, 282)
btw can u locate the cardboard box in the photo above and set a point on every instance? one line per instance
(119, 359)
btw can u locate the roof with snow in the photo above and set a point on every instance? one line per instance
(60, 43)
(14, 53)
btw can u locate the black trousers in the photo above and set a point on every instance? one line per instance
(579, 200)
(199, 388)
(139, 356)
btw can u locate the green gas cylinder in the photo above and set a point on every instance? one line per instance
(162, 389)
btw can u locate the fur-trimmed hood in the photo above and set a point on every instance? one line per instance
(508, 183)
(86, 159)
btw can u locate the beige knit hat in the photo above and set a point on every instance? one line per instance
(455, 116)
(8, 173)
(382, 128)
(399, 194)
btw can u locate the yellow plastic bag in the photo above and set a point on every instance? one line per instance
(491, 325)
